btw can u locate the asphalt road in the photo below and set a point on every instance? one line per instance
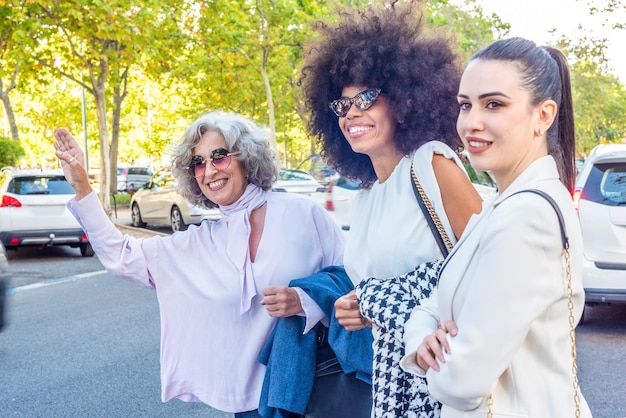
(82, 344)
(601, 347)
(86, 346)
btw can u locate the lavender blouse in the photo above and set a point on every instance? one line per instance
(209, 348)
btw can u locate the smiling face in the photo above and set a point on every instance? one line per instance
(497, 123)
(225, 186)
(370, 131)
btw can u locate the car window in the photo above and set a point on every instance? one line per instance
(142, 171)
(291, 175)
(348, 184)
(162, 180)
(606, 184)
(316, 166)
(40, 185)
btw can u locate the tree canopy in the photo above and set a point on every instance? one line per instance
(140, 71)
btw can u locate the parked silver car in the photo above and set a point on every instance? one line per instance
(132, 178)
(159, 203)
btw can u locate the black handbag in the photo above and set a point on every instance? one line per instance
(336, 394)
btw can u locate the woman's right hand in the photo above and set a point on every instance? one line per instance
(430, 351)
(72, 161)
(348, 314)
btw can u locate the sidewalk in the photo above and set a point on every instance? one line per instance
(120, 216)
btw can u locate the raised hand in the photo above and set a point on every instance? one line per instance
(72, 160)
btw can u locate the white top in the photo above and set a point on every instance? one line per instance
(504, 285)
(209, 349)
(389, 235)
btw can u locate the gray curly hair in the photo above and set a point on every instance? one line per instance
(241, 135)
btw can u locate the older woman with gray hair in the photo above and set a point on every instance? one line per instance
(221, 285)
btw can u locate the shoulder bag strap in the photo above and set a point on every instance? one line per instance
(570, 303)
(434, 223)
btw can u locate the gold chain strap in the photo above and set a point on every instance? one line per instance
(572, 332)
(490, 405)
(431, 210)
(572, 336)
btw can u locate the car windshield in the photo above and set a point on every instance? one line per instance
(40, 185)
(613, 184)
(607, 184)
(293, 175)
(161, 180)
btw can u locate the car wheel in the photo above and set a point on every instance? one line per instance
(176, 220)
(86, 250)
(135, 217)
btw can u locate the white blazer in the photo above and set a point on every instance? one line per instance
(504, 285)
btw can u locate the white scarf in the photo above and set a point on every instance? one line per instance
(237, 218)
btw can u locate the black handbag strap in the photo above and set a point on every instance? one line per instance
(559, 215)
(443, 241)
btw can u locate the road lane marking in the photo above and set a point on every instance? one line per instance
(55, 281)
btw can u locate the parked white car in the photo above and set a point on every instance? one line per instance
(338, 200)
(159, 203)
(484, 184)
(297, 181)
(33, 211)
(340, 193)
(4, 282)
(600, 197)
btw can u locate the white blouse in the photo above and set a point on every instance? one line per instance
(389, 235)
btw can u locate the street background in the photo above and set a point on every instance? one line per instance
(80, 343)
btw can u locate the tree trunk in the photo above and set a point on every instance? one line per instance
(119, 93)
(115, 137)
(6, 101)
(270, 100)
(105, 162)
(8, 109)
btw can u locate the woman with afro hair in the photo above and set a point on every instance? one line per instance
(380, 95)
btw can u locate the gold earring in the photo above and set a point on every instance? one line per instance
(537, 132)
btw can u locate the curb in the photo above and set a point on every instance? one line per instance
(138, 232)
(121, 219)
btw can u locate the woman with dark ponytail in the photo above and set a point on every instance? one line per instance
(497, 338)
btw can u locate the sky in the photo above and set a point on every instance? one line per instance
(533, 19)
